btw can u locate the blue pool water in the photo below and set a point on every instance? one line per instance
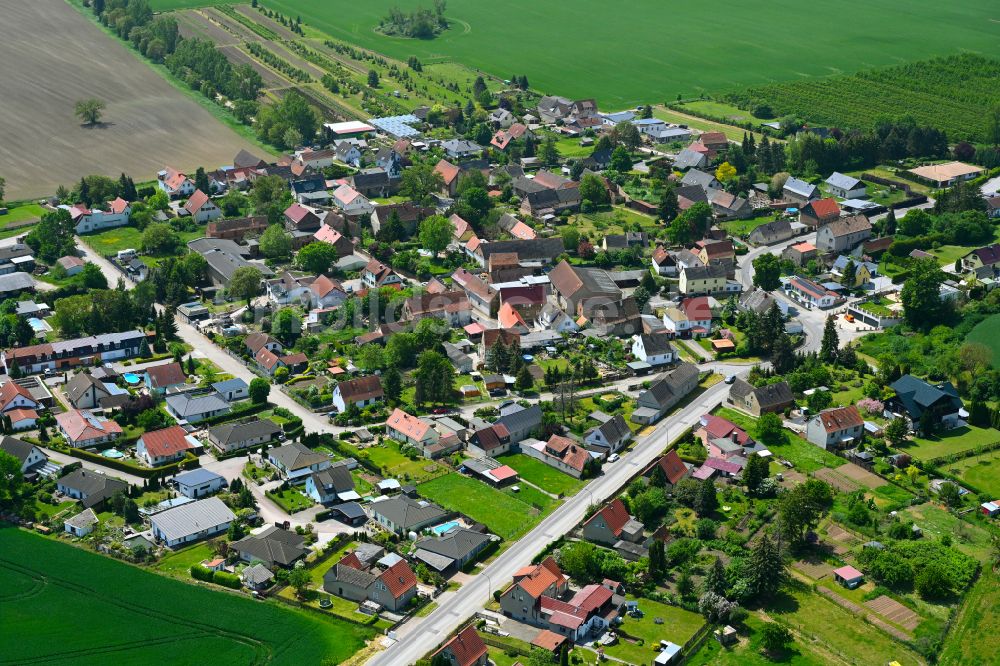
(37, 325)
(132, 378)
(112, 453)
(443, 528)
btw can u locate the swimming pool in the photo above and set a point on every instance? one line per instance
(444, 528)
(132, 378)
(112, 453)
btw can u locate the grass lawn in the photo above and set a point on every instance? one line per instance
(973, 639)
(947, 254)
(732, 133)
(952, 441)
(825, 625)
(719, 110)
(49, 586)
(599, 223)
(545, 477)
(805, 456)
(46, 511)
(981, 471)
(748, 652)
(987, 332)
(290, 500)
(966, 536)
(122, 238)
(179, 563)
(394, 463)
(744, 227)
(21, 214)
(505, 515)
(316, 573)
(678, 626)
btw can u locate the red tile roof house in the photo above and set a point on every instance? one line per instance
(361, 392)
(300, 218)
(721, 437)
(14, 396)
(160, 447)
(612, 524)
(22, 419)
(201, 208)
(174, 183)
(464, 649)
(159, 378)
(410, 429)
(83, 430)
(377, 274)
(532, 599)
(837, 427)
(521, 600)
(87, 220)
(561, 453)
(673, 467)
(392, 588)
(269, 362)
(452, 306)
(449, 172)
(331, 236)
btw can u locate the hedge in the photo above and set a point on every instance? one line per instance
(190, 462)
(199, 572)
(243, 409)
(226, 579)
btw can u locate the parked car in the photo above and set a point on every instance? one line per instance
(614, 457)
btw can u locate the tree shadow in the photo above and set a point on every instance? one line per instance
(97, 126)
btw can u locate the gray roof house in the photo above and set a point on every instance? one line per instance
(772, 232)
(799, 191)
(402, 514)
(194, 407)
(256, 577)
(235, 436)
(705, 181)
(192, 521)
(449, 553)
(689, 159)
(846, 187)
(273, 547)
(659, 398)
(296, 461)
(759, 399)
(232, 390)
(610, 436)
(523, 423)
(91, 488)
(29, 455)
(333, 484)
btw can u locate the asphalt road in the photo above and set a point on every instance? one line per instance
(419, 635)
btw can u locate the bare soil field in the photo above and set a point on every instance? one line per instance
(894, 611)
(52, 56)
(862, 476)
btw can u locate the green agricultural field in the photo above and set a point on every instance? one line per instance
(953, 94)
(542, 475)
(505, 515)
(654, 51)
(137, 617)
(987, 332)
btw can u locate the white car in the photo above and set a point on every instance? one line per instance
(614, 457)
